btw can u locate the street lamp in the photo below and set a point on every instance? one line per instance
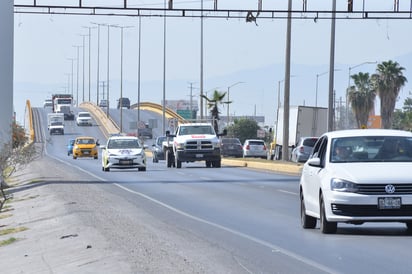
(228, 99)
(347, 90)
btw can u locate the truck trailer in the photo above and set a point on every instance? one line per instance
(304, 121)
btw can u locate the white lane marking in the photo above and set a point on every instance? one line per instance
(288, 192)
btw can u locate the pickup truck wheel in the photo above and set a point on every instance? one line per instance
(217, 164)
(208, 164)
(178, 163)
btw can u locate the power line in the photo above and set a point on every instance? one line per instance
(304, 13)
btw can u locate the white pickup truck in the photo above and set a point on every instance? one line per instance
(193, 142)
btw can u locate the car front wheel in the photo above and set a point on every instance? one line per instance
(325, 226)
(306, 220)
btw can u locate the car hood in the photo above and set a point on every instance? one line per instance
(373, 172)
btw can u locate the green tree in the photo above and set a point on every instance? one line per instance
(243, 129)
(361, 97)
(388, 82)
(213, 103)
(402, 118)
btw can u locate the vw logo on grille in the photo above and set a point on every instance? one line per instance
(390, 189)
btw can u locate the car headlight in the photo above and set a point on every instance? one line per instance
(180, 145)
(343, 186)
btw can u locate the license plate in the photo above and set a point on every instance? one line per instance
(199, 155)
(125, 162)
(389, 202)
(86, 152)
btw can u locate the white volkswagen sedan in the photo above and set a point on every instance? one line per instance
(123, 152)
(357, 176)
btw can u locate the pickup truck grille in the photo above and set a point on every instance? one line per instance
(198, 145)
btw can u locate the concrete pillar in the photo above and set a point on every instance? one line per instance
(6, 69)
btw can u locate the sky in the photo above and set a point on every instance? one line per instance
(247, 59)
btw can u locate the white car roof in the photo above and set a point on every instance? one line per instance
(367, 132)
(123, 137)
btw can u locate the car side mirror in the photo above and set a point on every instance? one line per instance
(314, 162)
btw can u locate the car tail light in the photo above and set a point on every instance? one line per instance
(301, 149)
(247, 147)
(264, 147)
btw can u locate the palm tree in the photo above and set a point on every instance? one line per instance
(388, 82)
(361, 97)
(212, 103)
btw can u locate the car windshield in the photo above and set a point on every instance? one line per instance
(196, 130)
(86, 141)
(123, 143)
(256, 143)
(371, 149)
(230, 141)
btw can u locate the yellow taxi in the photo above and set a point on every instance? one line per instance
(85, 147)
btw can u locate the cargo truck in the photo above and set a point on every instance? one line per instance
(304, 121)
(60, 100)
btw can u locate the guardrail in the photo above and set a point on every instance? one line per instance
(109, 127)
(30, 118)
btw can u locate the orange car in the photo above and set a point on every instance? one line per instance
(85, 147)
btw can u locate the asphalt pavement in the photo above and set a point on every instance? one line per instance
(44, 237)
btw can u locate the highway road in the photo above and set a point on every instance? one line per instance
(250, 216)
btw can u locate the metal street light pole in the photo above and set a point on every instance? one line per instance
(228, 99)
(72, 59)
(317, 80)
(285, 147)
(90, 41)
(164, 72)
(121, 74)
(68, 82)
(331, 109)
(108, 70)
(138, 69)
(77, 76)
(83, 35)
(98, 62)
(347, 90)
(201, 61)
